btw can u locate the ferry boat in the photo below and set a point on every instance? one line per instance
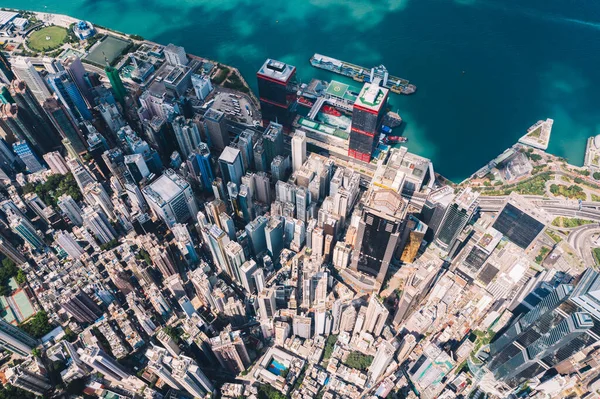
(329, 110)
(362, 74)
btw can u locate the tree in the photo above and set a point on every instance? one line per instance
(36, 352)
(38, 326)
(70, 336)
(357, 360)
(596, 175)
(21, 277)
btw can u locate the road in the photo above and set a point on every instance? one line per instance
(581, 240)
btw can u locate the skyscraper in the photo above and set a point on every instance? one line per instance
(101, 362)
(187, 135)
(16, 340)
(19, 376)
(27, 231)
(276, 81)
(377, 315)
(20, 124)
(367, 114)
(378, 233)
(26, 72)
(96, 221)
(230, 163)
(171, 198)
(26, 154)
(69, 208)
(66, 241)
(81, 307)
(230, 351)
(256, 233)
(564, 322)
(117, 84)
(266, 303)
(383, 358)
(11, 252)
(274, 237)
(74, 67)
(46, 134)
(63, 122)
(6, 73)
(67, 92)
(56, 162)
(457, 215)
(215, 128)
(272, 142)
(298, 149)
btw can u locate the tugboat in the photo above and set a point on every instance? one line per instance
(329, 110)
(394, 140)
(305, 102)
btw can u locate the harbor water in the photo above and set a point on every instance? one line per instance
(486, 70)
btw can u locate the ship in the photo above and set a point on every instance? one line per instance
(362, 74)
(392, 119)
(394, 140)
(329, 110)
(305, 102)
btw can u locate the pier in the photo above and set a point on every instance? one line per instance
(362, 74)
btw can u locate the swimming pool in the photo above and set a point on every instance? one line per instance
(276, 368)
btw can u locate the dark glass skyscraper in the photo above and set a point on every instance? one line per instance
(276, 91)
(456, 217)
(22, 124)
(379, 232)
(64, 124)
(367, 113)
(565, 322)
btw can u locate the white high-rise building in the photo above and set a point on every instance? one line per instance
(56, 162)
(171, 198)
(175, 55)
(266, 303)
(302, 327)
(383, 358)
(67, 242)
(298, 150)
(202, 86)
(246, 272)
(95, 194)
(187, 135)
(101, 362)
(69, 207)
(97, 222)
(25, 71)
(376, 316)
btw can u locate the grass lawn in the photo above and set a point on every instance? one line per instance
(46, 39)
(597, 255)
(562, 221)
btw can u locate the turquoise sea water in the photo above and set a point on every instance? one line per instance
(523, 60)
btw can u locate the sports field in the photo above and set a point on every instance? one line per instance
(48, 38)
(109, 49)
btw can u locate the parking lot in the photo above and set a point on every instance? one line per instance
(236, 106)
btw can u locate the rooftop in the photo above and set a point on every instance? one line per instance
(371, 97)
(229, 155)
(277, 70)
(167, 186)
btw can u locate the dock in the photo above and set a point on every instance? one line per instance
(362, 74)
